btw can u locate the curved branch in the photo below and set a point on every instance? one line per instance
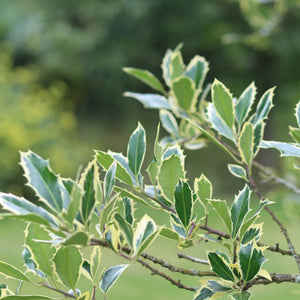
(67, 295)
(193, 259)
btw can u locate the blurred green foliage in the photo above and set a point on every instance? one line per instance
(33, 116)
(85, 44)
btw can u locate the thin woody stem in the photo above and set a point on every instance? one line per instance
(276, 220)
(67, 295)
(193, 259)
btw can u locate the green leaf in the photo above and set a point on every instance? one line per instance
(185, 93)
(42, 253)
(125, 228)
(285, 149)
(264, 106)
(169, 174)
(28, 261)
(183, 202)
(95, 265)
(147, 77)
(169, 234)
(12, 272)
(144, 234)
(110, 276)
(166, 67)
(169, 122)
(152, 171)
(218, 124)
(203, 189)
(158, 149)
(246, 144)
(237, 171)
(220, 267)
(197, 70)
(122, 173)
(244, 104)
(154, 101)
(203, 294)
(77, 238)
(251, 260)
(75, 192)
(253, 233)
(216, 287)
(297, 113)
(221, 208)
(109, 181)
(245, 295)
(222, 100)
(128, 209)
(42, 179)
(136, 149)
(239, 209)
(295, 133)
(258, 136)
(88, 182)
(176, 65)
(28, 297)
(67, 262)
(26, 210)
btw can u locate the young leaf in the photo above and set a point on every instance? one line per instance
(246, 144)
(297, 113)
(220, 267)
(110, 276)
(203, 294)
(170, 172)
(88, 183)
(176, 65)
(183, 202)
(128, 209)
(169, 122)
(295, 133)
(147, 77)
(154, 101)
(251, 260)
(253, 233)
(245, 295)
(125, 228)
(144, 234)
(136, 149)
(203, 189)
(12, 272)
(185, 93)
(95, 262)
(42, 179)
(152, 171)
(216, 287)
(67, 262)
(158, 149)
(27, 297)
(169, 234)
(109, 182)
(264, 106)
(40, 250)
(222, 100)
(221, 208)
(165, 66)
(197, 70)
(258, 136)
(285, 149)
(78, 238)
(237, 171)
(218, 124)
(239, 209)
(26, 210)
(244, 103)
(75, 192)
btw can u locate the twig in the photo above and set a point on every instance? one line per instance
(165, 276)
(277, 179)
(94, 293)
(276, 278)
(67, 295)
(193, 259)
(276, 220)
(173, 268)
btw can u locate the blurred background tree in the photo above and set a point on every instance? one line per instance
(85, 44)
